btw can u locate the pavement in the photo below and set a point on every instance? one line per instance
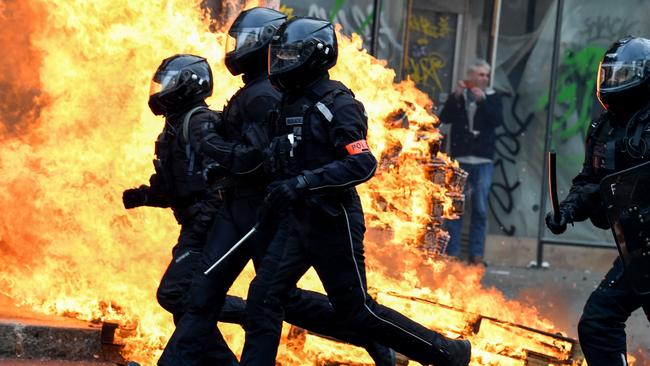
(30, 338)
(561, 290)
(560, 295)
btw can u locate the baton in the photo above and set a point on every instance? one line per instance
(234, 247)
(552, 183)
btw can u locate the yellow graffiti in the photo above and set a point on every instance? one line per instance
(423, 25)
(422, 41)
(423, 71)
(286, 11)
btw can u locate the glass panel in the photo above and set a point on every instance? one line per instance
(431, 46)
(588, 29)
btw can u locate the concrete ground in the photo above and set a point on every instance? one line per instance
(561, 290)
(30, 338)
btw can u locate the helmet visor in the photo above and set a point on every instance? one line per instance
(284, 57)
(244, 39)
(621, 74)
(163, 81)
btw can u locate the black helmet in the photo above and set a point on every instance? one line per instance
(179, 81)
(248, 38)
(624, 75)
(302, 51)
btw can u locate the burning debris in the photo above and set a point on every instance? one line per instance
(446, 176)
(502, 343)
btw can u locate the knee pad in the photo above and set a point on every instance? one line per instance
(259, 298)
(168, 299)
(202, 297)
(587, 329)
(583, 328)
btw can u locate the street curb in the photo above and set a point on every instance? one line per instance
(25, 339)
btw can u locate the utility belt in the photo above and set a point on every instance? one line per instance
(244, 192)
(331, 203)
(233, 188)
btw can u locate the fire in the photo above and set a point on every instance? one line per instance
(76, 131)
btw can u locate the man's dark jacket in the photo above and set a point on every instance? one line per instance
(488, 117)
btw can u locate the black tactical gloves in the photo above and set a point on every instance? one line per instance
(213, 172)
(281, 194)
(135, 197)
(557, 225)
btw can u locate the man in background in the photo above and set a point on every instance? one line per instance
(474, 111)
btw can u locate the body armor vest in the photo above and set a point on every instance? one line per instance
(614, 147)
(307, 121)
(177, 164)
(618, 153)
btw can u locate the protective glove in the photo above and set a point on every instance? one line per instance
(135, 197)
(283, 193)
(213, 172)
(558, 226)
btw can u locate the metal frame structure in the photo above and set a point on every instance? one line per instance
(541, 240)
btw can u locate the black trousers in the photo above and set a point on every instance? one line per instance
(173, 293)
(333, 245)
(307, 309)
(602, 326)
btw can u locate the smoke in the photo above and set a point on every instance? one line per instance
(224, 12)
(557, 303)
(21, 99)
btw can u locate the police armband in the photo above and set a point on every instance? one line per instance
(357, 147)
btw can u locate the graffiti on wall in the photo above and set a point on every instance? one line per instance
(357, 17)
(507, 150)
(575, 107)
(427, 62)
(576, 104)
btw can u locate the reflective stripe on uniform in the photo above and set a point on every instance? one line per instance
(363, 291)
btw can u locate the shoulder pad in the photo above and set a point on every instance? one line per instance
(261, 87)
(596, 125)
(327, 86)
(249, 92)
(208, 114)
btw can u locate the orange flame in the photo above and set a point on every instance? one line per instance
(76, 131)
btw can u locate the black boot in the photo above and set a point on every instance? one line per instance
(457, 352)
(382, 355)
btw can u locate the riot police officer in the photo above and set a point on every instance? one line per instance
(320, 153)
(618, 140)
(236, 146)
(178, 91)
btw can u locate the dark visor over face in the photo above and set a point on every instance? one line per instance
(621, 74)
(163, 81)
(284, 56)
(244, 39)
